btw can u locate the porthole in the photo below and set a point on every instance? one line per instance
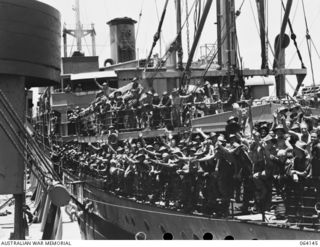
(140, 236)
(207, 236)
(229, 237)
(167, 236)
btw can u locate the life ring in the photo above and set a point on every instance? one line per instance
(109, 60)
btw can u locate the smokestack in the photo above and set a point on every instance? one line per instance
(122, 39)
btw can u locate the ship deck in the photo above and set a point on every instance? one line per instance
(114, 211)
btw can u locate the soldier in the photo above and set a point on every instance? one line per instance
(297, 173)
(279, 176)
(177, 107)
(156, 116)
(165, 110)
(315, 168)
(263, 130)
(246, 95)
(146, 110)
(119, 111)
(233, 125)
(168, 177)
(304, 136)
(105, 89)
(261, 173)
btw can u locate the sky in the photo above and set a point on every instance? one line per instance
(100, 12)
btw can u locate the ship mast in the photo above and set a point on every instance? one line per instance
(261, 6)
(179, 40)
(198, 34)
(227, 50)
(79, 33)
(280, 44)
(226, 33)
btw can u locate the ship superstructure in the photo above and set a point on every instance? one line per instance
(88, 117)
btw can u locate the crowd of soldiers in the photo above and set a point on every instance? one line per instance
(205, 172)
(135, 109)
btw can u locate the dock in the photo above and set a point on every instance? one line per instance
(70, 229)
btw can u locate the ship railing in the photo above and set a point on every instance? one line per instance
(126, 120)
(169, 117)
(275, 101)
(302, 219)
(148, 116)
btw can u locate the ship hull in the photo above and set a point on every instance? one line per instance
(120, 218)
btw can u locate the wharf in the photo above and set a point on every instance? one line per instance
(70, 230)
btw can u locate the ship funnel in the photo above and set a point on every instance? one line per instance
(122, 39)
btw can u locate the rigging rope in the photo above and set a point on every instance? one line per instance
(172, 46)
(268, 41)
(188, 31)
(139, 21)
(21, 152)
(295, 11)
(161, 38)
(20, 125)
(294, 37)
(197, 16)
(314, 47)
(238, 12)
(302, 39)
(308, 37)
(266, 4)
(157, 34)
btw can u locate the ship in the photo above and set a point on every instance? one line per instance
(105, 214)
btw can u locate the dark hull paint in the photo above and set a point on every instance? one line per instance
(120, 218)
(94, 227)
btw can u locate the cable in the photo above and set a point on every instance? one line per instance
(314, 47)
(161, 35)
(302, 39)
(172, 46)
(20, 141)
(157, 11)
(21, 152)
(20, 125)
(269, 44)
(140, 15)
(188, 31)
(238, 12)
(295, 12)
(293, 37)
(308, 37)
(157, 34)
